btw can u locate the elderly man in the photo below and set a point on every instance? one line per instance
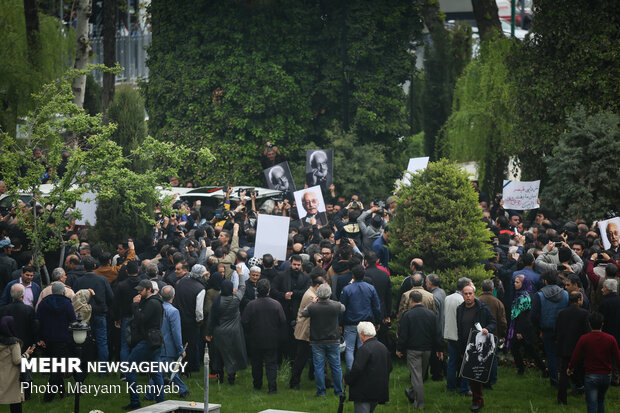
(172, 346)
(610, 308)
(614, 238)
(325, 338)
(310, 203)
(55, 314)
(470, 312)
(428, 299)
(190, 294)
(319, 171)
(499, 313)
(25, 323)
(278, 179)
(369, 377)
(57, 275)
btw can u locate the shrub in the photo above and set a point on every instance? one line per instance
(438, 220)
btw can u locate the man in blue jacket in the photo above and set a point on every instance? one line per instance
(172, 346)
(362, 304)
(32, 290)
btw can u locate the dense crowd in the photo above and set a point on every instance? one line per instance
(195, 280)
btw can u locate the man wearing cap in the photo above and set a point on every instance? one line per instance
(5, 251)
(190, 295)
(148, 313)
(263, 320)
(373, 231)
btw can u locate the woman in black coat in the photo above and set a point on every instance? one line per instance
(369, 376)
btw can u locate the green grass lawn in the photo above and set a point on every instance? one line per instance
(512, 393)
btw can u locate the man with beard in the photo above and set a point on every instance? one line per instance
(288, 288)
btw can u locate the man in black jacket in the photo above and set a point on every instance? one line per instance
(418, 336)
(148, 314)
(263, 319)
(571, 323)
(189, 300)
(122, 308)
(100, 301)
(381, 281)
(369, 377)
(289, 288)
(470, 312)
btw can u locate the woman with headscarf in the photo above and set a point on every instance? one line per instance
(521, 331)
(225, 333)
(10, 361)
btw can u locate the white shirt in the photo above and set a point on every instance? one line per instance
(451, 331)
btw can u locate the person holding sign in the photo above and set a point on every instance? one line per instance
(470, 312)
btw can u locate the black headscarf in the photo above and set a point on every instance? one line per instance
(215, 281)
(226, 290)
(7, 330)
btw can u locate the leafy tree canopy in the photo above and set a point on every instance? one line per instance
(583, 172)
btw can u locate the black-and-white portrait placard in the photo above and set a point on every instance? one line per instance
(479, 355)
(610, 232)
(310, 205)
(320, 168)
(279, 177)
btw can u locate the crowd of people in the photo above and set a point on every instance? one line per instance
(196, 280)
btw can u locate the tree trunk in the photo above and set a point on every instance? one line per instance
(487, 17)
(31, 12)
(109, 52)
(83, 10)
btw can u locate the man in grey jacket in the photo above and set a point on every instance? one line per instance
(325, 338)
(373, 231)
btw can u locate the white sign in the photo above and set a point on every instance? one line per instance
(520, 195)
(272, 236)
(415, 165)
(88, 207)
(609, 232)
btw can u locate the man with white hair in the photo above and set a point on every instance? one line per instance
(25, 323)
(190, 295)
(57, 275)
(250, 287)
(610, 308)
(369, 377)
(325, 338)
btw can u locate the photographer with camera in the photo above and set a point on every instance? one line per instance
(271, 156)
(378, 222)
(558, 256)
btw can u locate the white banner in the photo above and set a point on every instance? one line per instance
(520, 195)
(87, 205)
(272, 236)
(415, 164)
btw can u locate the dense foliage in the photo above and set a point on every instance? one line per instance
(232, 75)
(22, 74)
(97, 165)
(570, 59)
(583, 172)
(438, 220)
(481, 126)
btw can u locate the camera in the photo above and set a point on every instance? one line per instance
(380, 204)
(558, 245)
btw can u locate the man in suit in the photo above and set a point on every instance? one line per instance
(381, 281)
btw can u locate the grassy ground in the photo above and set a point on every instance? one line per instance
(512, 393)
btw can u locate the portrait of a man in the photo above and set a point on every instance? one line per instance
(310, 205)
(319, 168)
(279, 177)
(610, 233)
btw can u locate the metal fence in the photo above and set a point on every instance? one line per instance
(130, 54)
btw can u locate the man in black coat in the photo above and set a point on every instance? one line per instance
(122, 309)
(381, 281)
(418, 336)
(263, 320)
(25, 321)
(610, 308)
(369, 377)
(289, 288)
(100, 302)
(470, 312)
(571, 323)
